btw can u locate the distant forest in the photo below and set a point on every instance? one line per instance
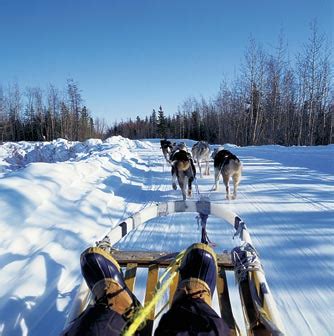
(37, 115)
(269, 102)
(273, 100)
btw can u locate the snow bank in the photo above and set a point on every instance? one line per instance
(15, 155)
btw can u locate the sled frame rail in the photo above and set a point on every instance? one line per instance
(163, 259)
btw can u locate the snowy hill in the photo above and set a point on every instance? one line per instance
(57, 198)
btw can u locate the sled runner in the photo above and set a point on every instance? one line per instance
(259, 310)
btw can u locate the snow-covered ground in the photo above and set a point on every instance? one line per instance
(58, 198)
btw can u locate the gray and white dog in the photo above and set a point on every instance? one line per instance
(227, 165)
(201, 153)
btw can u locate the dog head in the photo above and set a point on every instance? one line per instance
(216, 150)
(180, 146)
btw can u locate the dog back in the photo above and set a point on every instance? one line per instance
(224, 157)
(182, 165)
(181, 160)
(180, 155)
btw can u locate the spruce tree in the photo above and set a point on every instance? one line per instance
(162, 123)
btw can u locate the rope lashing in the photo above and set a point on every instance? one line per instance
(160, 289)
(172, 268)
(104, 244)
(245, 259)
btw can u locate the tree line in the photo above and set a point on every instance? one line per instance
(36, 115)
(271, 101)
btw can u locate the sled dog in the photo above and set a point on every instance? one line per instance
(179, 146)
(183, 170)
(227, 165)
(166, 147)
(201, 153)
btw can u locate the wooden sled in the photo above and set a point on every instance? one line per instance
(259, 309)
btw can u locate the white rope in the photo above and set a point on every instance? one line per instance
(245, 259)
(104, 244)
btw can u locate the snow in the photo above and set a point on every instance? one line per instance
(59, 197)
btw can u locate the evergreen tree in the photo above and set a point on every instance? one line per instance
(162, 123)
(153, 124)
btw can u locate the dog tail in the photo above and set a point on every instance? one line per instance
(236, 165)
(182, 165)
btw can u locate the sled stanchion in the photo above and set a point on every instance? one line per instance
(152, 279)
(130, 275)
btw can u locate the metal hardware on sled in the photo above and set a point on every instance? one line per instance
(259, 309)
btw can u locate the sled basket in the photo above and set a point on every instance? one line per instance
(260, 314)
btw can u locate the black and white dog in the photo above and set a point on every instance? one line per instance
(201, 153)
(183, 170)
(227, 165)
(166, 147)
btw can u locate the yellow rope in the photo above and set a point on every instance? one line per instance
(172, 267)
(143, 313)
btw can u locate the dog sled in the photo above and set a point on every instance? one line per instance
(260, 314)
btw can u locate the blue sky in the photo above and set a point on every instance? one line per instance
(132, 56)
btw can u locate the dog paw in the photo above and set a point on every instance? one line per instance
(189, 193)
(174, 186)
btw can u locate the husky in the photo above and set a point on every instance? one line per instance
(166, 147)
(227, 165)
(201, 153)
(183, 170)
(179, 146)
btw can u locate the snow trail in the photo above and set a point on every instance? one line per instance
(52, 210)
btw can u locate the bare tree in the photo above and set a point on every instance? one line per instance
(3, 117)
(14, 107)
(53, 113)
(75, 100)
(314, 79)
(252, 73)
